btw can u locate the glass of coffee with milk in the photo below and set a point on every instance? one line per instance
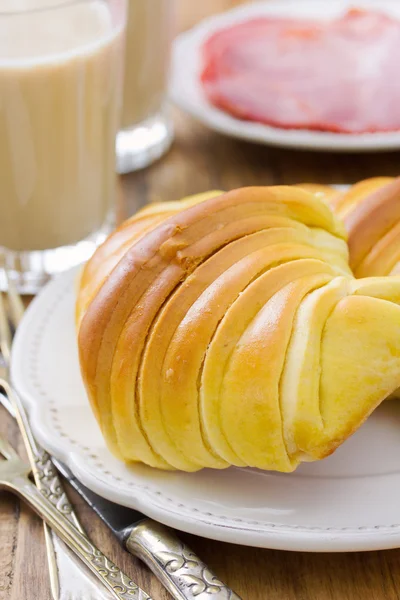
(146, 129)
(61, 76)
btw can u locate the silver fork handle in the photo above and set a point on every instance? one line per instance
(47, 480)
(44, 472)
(182, 572)
(119, 584)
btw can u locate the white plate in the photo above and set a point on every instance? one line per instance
(350, 501)
(186, 90)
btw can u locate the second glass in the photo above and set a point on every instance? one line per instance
(146, 129)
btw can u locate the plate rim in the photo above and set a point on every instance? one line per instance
(157, 505)
(185, 91)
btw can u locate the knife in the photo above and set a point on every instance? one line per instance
(177, 567)
(182, 573)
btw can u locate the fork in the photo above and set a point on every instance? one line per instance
(14, 478)
(45, 474)
(38, 458)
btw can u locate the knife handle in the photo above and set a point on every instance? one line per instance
(183, 573)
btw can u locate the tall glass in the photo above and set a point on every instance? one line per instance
(61, 69)
(146, 128)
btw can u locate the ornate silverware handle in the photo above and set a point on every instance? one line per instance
(184, 575)
(49, 483)
(119, 584)
(44, 472)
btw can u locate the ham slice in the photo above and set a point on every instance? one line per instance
(339, 76)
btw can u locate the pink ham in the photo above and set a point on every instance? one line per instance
(340, 76)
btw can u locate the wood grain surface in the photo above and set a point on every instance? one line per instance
(200, 160)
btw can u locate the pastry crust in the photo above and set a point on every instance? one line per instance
(211, 331)
(370, 211)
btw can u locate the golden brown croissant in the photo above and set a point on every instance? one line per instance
(228, 329)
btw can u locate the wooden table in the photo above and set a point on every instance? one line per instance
(198, 161)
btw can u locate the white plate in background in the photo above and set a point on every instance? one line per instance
(186, 89)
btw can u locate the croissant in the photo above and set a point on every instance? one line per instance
(228, 329)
